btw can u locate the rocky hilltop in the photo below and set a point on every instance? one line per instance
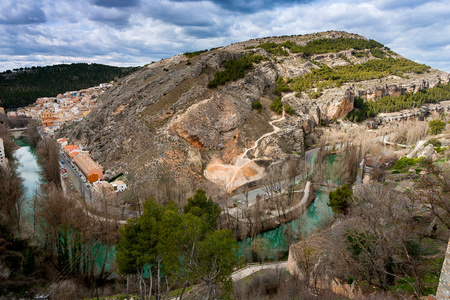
(164, 119)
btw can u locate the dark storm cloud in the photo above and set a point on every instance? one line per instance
(180, 13)
(21, 12)
(116, 3)
(202, 32)
(110, 17)
(251, 6)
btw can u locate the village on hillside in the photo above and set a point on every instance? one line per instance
(68, 108)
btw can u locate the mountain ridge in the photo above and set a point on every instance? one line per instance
(163, 120)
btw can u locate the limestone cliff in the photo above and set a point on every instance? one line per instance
(163, 119)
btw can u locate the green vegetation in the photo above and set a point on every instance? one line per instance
(282, 86)
(360, 54)
(436, 126)
(195, 53)
(435, 142)
(179, 248)
(288, 109)
(364, 110)
(403, 164)
(277, 105)
(257, 105)
(377, 52)
(23, 86)
(326, 77)
(322, 46)
(235, 69)
(340, 199)
(274, 49)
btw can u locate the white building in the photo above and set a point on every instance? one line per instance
(3, 159)
(119, 186)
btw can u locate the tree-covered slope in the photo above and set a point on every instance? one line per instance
(23, 86)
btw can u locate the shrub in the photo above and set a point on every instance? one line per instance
(282, 85)
(404, 162)
(235, 69)
(435, 142)
(316, 94)
(277, 105)
(436, 126)
(288, 109)
(257, 105)
(340, 199)
(377, 52)
(359, 54)
(274, 49)
(195, 53)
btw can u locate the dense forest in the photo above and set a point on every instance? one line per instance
(324, 46)
(21, 87)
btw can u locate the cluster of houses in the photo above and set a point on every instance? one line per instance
(91, 170)
(65, 108)
(69, 107)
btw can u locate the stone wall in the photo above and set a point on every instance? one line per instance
(443, 291)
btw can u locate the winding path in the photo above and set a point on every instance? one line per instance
(249, 270)
(244, 169)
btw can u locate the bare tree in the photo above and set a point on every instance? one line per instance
(11, 199)
(257, 217)
(8, 143)
(272, 186)
(48, 157)
(72, 237)
(377, 242)
(434, 192)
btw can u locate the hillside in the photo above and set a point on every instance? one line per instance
(177, 116)
(23, 86)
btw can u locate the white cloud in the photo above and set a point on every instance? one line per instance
(106, 31)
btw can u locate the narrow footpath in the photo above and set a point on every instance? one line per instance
(244, 169)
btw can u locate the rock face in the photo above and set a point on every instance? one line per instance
(212, 122)
(163, 120)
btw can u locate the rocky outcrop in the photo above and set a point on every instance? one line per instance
(415, 114)
(211, 123)
(337, 102)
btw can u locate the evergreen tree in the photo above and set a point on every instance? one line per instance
(340, 199)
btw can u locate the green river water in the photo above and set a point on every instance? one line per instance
(29, 170)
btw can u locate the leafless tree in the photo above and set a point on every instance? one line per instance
(433, 192)
(272, 186)
(352, 156)
(261, 248)
(48, 158)
(257, 217)
(8, 143)
(72, 237)
(377, 242)
(33, 136)
(11, 199)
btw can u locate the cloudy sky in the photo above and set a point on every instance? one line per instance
(137, 32)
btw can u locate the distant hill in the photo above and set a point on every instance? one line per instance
(23, 86)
